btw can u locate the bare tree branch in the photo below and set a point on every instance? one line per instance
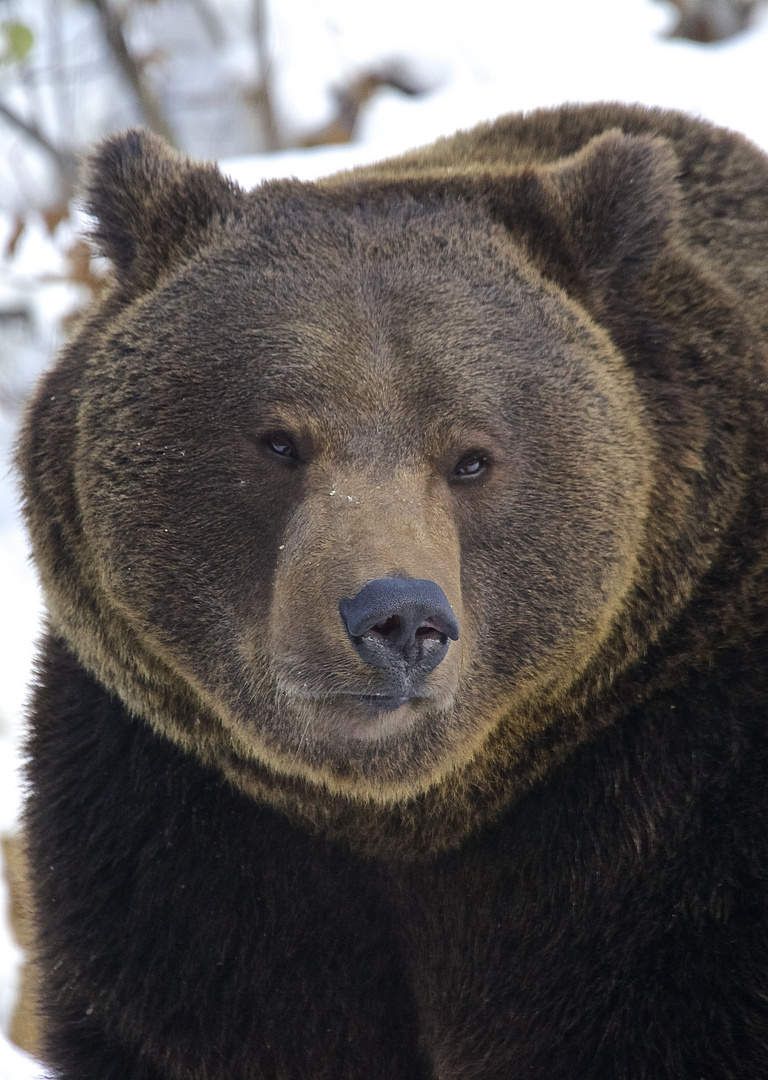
(352, 97)
(707, 21)
(210, 21)
(66, 161)
(263, 96)
(113, 32)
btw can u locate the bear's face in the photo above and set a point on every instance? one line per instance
(316, 405)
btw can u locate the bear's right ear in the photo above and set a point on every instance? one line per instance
(618, 204)
(599, 218)
(153, 207)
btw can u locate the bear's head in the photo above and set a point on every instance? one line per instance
(346, 487)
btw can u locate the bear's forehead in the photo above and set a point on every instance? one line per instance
(374, 304)
(386, 341)
(354, 328)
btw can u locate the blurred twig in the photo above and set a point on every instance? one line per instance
(354, 95)
(707, 21)
(65, 160)
(263, 95)
(210, 21)
(112, 27)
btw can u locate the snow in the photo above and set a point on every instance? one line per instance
(499, 58)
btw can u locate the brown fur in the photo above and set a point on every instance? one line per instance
(579, 298)
(124, 594)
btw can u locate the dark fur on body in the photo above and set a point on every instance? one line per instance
(553, 866)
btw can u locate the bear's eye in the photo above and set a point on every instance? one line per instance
(280, 444)
(470, 465)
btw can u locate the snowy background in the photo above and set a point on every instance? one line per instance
(480, 60)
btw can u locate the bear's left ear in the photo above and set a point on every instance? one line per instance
(600, 217)
(153, 207)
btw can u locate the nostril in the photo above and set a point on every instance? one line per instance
(388, 627)
(396, 621)
(428, 629)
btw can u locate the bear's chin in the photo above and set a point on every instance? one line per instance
(346, 718)
(353, 743)
(342, 721)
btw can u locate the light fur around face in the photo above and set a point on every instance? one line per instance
(387, 327)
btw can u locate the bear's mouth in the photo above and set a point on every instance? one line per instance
(389, 702)
(341, 718)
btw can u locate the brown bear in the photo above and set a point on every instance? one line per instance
(402, 712)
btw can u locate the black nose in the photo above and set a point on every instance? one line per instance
(393, 622)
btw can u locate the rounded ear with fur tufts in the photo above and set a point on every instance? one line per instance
(599, 218)
(153, 207)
